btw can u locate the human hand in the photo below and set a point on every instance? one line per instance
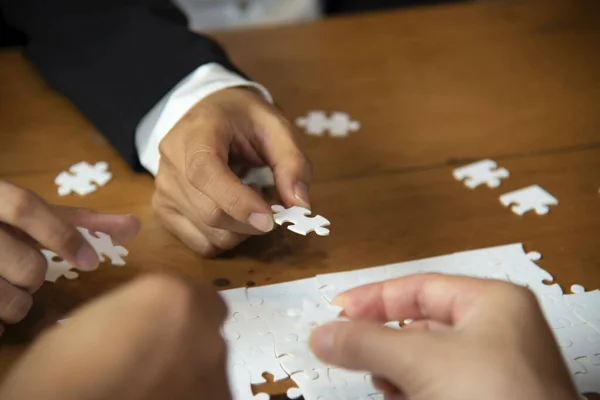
(199, 196)
(155, 338)
(471, 339)
(25, 220)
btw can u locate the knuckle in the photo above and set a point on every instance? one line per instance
(195, 168)
(15, 305)
(215, 217)
(233, 204)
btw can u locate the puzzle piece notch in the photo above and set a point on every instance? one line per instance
(531, 198)
(240, 385)
(301, 223)
(102, 243)
(83, 178)
(57, 269)
(339, 124)
(481, 172)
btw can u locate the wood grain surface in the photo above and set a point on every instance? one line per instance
(433, 87)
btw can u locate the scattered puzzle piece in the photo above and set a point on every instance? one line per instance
(56, 269)
(83, 178)
(338, 124)
(481, 172)
(301, 223)
(531, 198)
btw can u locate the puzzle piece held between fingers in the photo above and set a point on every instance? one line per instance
(531, 198)
(481, 172)
(104, 246)
(56, 269)
(302, 224)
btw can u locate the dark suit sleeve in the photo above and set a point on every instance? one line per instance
(113, 59)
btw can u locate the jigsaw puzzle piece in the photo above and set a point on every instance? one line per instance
(238, 303)
(56, 269)
(481, 172)
(586, 306)
(262, 177)
(335, 283)
(589, 381)
(301, 223)
(297, 357)
(531, 198)
(97, 173)
(347, 384)
(102, 243)
(68, 184)
(311, 389)
(240, 384)
(576, 342)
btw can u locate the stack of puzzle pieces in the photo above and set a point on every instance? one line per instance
(268, 327)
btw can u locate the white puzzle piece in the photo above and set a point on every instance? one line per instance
(301, 223)
(56, 269)
(317, 123)
(480, 173)
(531, 198)
(83, 178)
(102, 243)
(240, 385)
(262, 177)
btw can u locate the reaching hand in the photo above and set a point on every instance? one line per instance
(156, 338)
(25, 220)
(199, 196)
(471, 339)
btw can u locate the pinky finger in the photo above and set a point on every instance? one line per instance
(185, 230)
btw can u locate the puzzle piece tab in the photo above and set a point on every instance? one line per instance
(338, 124)
(56, 269)
(302, 224)
(531, 198)
(83, 178)
(481, 172)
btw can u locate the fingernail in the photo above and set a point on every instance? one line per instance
(87, 259)
(301, 194)
(339, 300)
(322, 338)
(262, 222)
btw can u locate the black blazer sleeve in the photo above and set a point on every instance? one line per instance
(114, 59)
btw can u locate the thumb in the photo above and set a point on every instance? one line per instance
(291, 167)
(400, 357)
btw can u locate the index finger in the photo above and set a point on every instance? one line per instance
(208, 171)
(28, 212)
(442, 298)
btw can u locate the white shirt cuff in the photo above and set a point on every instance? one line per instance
(204, 81)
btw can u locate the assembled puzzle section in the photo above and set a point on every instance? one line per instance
(269, 326)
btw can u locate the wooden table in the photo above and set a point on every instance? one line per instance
(434, 88)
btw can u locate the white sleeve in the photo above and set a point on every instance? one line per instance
(207, 79)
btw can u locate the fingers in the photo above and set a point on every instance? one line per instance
(14, 303)
(21, 264)
(26, 211)
(218, 240)
(442, 298)
(370, 346)
(121, 228)
(291, 167)
(207, 170)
